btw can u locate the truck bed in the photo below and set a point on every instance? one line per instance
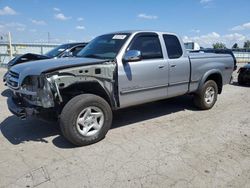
(201, 62)
(200, 55)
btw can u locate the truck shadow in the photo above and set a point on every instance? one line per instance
(18, 132)
(152, 110)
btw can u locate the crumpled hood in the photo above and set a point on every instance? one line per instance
(49, 65)
(25, 58)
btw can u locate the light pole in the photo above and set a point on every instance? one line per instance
(10, 46)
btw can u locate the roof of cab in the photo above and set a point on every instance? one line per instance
(138, 31)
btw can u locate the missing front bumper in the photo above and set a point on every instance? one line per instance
(18, 109)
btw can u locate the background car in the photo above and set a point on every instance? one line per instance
(64, 50)
(244, 75)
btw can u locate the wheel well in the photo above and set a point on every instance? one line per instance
(86, 87)
(218, 80)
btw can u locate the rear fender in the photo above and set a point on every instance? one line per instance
(205, 77)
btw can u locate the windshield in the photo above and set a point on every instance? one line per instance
(58, 50)
(104, 47)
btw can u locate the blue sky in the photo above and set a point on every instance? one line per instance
(204, 21)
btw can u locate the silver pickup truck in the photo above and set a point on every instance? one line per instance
(115, 71)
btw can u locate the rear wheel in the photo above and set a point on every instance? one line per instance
(85, 119)
(207, 97)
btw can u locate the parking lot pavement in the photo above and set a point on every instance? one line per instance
(162, 144)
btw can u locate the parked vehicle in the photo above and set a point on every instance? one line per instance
(115, 71)
(244, 75)
(64, 50)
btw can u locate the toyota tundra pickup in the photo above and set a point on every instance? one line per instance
(115, 71)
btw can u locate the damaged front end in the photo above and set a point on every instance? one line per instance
(34, 94)
(45, 94)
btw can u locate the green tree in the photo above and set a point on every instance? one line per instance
(235, 46)
(247, 44)
(219, 45)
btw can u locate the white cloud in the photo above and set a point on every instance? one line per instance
(15, 24)
(62, 17)
(56, 9)
(38, 22)
(80, 27)
(235, 37)
(205, 1)
(80, 19)
(211, 38)
(7, 11)
(12, 25)
(147, 17)
(195, 31)
(241, 27)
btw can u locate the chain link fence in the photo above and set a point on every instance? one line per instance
(242, 55)
(22, 48)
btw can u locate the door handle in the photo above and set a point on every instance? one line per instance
(173, 66)
(161, 66)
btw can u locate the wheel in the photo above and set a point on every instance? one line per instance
(240, 79)
(85, 119)
(207, 96)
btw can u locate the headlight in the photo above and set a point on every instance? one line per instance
(40, 89)
(45, 95)
(30, 83)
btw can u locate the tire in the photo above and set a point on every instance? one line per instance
(204, 102)
(83, 112)
(240, 79)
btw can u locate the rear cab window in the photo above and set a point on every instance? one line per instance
(173, 46)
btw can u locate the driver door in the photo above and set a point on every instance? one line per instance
(145, 80)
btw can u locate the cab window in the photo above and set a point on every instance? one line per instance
(173, 46)
(149, 45)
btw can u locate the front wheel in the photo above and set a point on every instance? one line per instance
(207, 97)
(85, 119)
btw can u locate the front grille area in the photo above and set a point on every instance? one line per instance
(14, 74)
(12, 79)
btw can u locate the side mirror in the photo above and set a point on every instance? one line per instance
(132, 55)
